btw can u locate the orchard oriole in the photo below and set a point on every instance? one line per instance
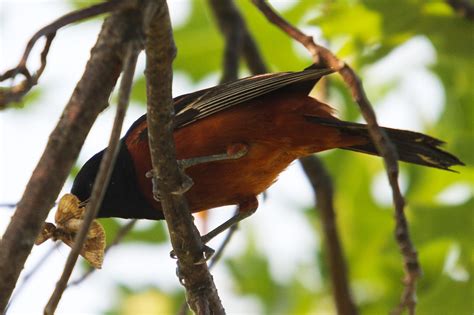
(242, 135)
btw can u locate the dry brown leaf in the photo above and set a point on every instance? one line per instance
(69, 220)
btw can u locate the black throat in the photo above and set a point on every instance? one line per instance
(122, 199)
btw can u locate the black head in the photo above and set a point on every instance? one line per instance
(122, 198)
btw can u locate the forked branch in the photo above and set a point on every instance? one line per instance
(324, 57)
(16, 92)
(169, 182)
(88, 99)
(103, 176)
(238, 41)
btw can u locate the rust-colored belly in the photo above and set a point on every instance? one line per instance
(275, 132)
(215, 183)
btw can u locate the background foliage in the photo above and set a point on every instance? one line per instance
(365, 34)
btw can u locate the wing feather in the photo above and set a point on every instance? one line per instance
(210, 101)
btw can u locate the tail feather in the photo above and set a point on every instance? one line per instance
(412, 147)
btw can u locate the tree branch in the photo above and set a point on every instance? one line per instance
(232, 27)
(215, 258)
(88, 99)
(15, 93)
(322, 185)
(103, 176)
(168, 180)
(383, 144)
(252, 56)
(238, 41)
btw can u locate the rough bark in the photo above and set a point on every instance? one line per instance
(89, 98)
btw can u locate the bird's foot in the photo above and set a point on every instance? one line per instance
(207, 253)
(185, 185)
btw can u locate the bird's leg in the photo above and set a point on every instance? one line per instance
(234, 152)
(246, 208)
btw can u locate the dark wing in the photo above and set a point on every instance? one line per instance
(200, 104)
(192, 107)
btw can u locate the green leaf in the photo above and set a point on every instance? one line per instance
(145, 300)
(81, 4)
(450, 222)
(199, 43)
(448, 297)
(154, 233)
(138, 94)
(251, 269)
(32, 97)
(353, 21)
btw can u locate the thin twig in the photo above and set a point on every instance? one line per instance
(30, 274)
(232, 27)
(169, 182)
(14, 205)
(102, 179)
(16, 92)
(218, 254)
(464, 8)
(8, 205)
(252, 55)
(323, 188)
(324, 57)
(122, 232)
(88, 99)
(238, 40)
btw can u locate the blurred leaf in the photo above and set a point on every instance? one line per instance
(301, 300)
(150, 301)
(420, 193)
(81, 4)
(432, 257)
(154, 233)
(353, 23)
(199, 43)
(74, 171)
(435, 222)
(278, 50)
(448, 297)
(147, 300)
(138, 94)
(254, 278)
(32, 97)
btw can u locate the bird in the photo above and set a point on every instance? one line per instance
(234, 139)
